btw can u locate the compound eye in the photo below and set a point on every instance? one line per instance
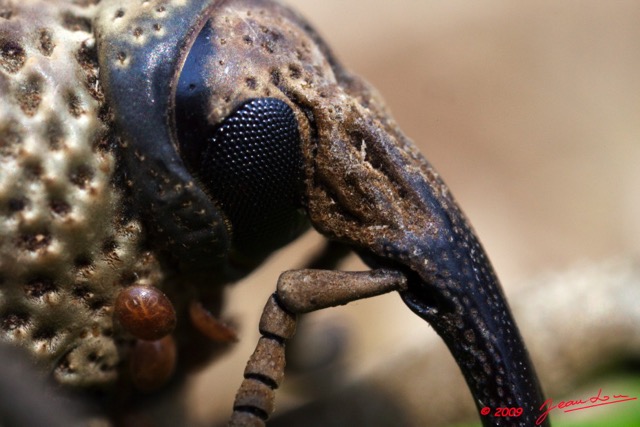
(250, 164)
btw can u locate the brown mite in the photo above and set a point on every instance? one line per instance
(152, 363)
(145, 312)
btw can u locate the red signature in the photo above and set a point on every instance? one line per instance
(576, 405)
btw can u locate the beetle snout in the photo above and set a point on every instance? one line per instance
(371, 188)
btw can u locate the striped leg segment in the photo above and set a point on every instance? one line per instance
(299, 291)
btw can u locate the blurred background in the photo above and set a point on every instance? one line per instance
(530, 111)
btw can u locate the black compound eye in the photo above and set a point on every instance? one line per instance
(250, 164)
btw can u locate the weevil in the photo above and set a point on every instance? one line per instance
(154, 152)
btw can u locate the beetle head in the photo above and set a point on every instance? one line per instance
(363, 182)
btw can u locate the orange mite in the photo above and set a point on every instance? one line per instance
(145, 312)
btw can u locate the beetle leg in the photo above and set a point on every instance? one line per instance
(298, 292)
(210, 326)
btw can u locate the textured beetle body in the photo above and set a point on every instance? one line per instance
(164, 220)
(66, 246)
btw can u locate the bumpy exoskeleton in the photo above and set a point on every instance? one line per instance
(67, 246)
(233, 128)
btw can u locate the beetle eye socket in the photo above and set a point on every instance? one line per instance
(250, 164)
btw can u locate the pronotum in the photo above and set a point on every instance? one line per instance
(154, 152)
